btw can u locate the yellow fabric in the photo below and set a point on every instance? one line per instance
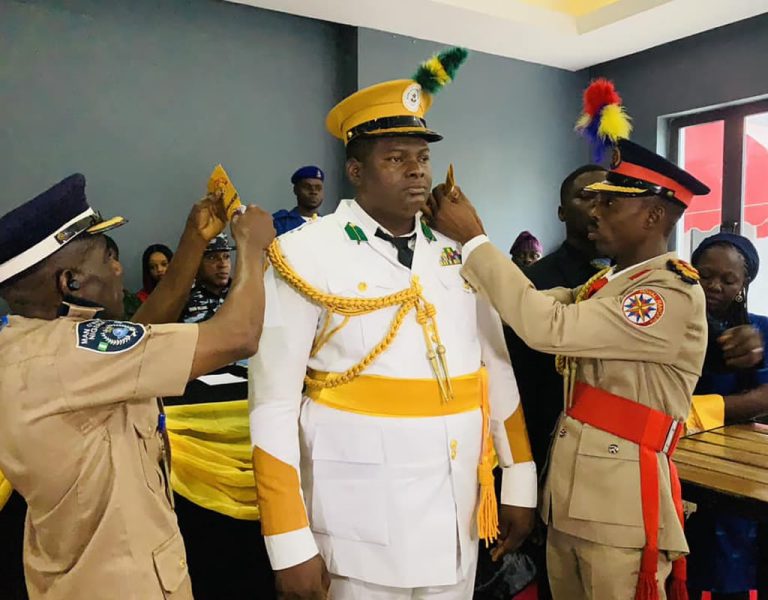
(211, 457)
(707, 412)
(517, 434)
(219, 181)
(278, 487)
(211, 449)
(376, 102)
(378, 396)
(5, 490)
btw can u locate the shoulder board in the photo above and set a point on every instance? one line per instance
(304, 225)
(686, 272)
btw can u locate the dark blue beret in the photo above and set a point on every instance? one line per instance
(219, 244)
(39, 227)
(308, 172)
(742, 245)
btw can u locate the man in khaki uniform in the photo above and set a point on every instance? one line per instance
(81, 427)
(631, 352)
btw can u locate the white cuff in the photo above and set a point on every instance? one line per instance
(519, 486)
(289, 549)
(468, 248)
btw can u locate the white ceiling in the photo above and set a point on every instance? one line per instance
(549, 32)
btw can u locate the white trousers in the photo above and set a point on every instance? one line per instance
(344, 588)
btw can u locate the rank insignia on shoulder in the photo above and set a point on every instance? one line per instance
(108, 337)
(450, 256)
(687, 273)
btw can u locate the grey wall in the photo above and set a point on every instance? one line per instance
(508, 128)
(145, 97)
(724, 65)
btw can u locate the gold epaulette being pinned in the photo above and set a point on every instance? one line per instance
(685, 271)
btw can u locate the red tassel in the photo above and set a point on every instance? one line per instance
(647, 586)
(676, 589)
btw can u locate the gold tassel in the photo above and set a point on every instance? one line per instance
(487, 509)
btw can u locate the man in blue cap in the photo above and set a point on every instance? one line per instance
(82, 430)
(308, 189)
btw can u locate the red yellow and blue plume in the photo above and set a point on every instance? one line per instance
(440, 70)
(604, 120)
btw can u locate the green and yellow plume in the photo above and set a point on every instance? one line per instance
(440, 70)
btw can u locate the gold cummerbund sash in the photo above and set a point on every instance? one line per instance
(378, 396)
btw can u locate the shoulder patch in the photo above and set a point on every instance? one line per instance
(643, 308)
(108, 337)
(3, 322)
(685, 271)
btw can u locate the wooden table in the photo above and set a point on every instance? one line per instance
(727, 469)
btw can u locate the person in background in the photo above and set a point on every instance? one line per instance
(131, 301)
(212, 282)
(541, 386)
(724, 556)
(154, 265)
(308, 188)
(526, 249)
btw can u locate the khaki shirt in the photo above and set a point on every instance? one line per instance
(654, 358)
(79, 440)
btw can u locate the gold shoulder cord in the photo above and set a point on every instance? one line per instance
(566, 365)
(408, 299)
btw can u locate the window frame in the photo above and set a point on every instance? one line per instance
(733, 153)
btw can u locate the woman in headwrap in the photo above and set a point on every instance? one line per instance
(154, 264)
(526, 249)
(724, 551)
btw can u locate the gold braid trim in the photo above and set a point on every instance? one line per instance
(567, 366)
(408, 299)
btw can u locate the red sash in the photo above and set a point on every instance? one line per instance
(653, 431)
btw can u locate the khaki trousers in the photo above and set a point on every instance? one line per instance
(583, 570)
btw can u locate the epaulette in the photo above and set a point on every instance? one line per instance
(303, 226)
(686, 272)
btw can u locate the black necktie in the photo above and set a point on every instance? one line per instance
(403, 245)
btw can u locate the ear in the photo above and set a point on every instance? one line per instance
(67, 282)
(656, 215)
(117, 267)
(561, 213)
(354, 169)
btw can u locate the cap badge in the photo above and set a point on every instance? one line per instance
(412, 97)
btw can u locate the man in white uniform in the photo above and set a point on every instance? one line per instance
(382, 384)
